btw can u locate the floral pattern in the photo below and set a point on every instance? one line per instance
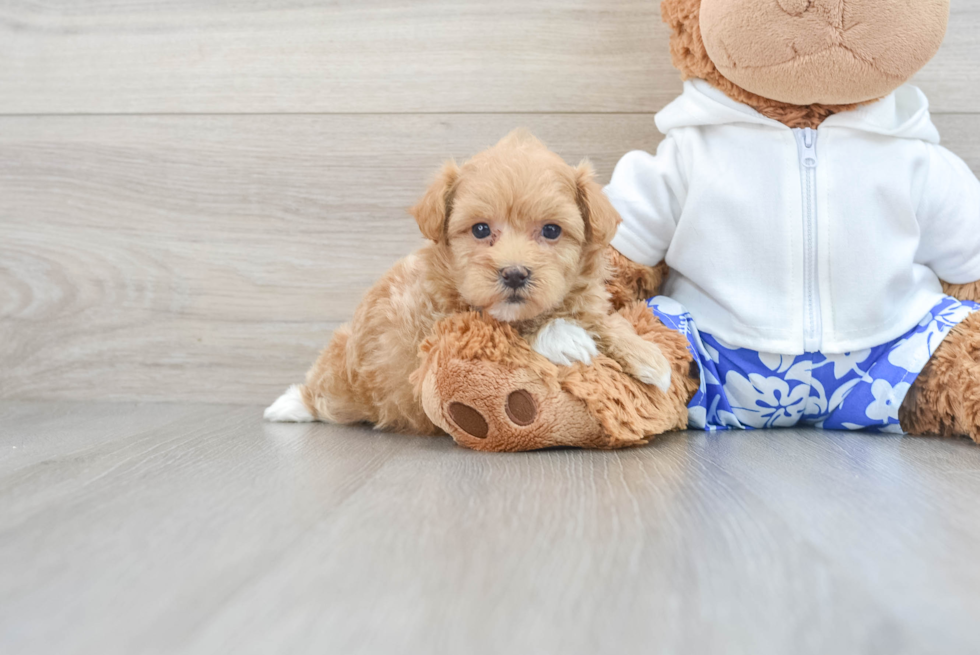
(862, 390)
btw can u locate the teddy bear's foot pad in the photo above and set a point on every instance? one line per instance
(469, 420)
(521, 408)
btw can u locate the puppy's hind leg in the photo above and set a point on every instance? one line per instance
(327, 394)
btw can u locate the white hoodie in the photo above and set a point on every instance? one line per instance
(790, 241)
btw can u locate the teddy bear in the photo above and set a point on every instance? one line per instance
(800, 247)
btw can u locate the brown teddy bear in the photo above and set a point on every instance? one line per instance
(823, 249)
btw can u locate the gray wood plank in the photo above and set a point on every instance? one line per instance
(209, 257)
(38, 431)
(217, 533)
(295, 56)
(125, 56)
(186, 552)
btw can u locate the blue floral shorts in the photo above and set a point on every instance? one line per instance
(863, 390)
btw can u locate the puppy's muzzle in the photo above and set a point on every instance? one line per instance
(515, 277)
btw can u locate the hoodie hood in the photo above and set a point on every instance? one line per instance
(902, 114)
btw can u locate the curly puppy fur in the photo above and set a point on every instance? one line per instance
(629, 281)
(970, 291)
(511, 191)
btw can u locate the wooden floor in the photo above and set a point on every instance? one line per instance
(176, 528)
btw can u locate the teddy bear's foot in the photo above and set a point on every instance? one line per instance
(488, 406)
(945, 399)
(481, 383)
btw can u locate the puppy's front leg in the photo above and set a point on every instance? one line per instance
(564, 341)
(640, 358)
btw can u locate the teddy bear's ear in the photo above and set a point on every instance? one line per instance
(432, 211)
(601, 218)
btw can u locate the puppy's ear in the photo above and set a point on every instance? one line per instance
(432, 211)
(601, 218)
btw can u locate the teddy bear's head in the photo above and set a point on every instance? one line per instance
(799, 61)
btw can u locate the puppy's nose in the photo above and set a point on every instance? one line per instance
(514, 277)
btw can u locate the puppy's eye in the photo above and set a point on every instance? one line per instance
(551, 232)
(481, 230)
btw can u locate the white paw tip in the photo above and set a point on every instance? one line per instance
(564, 342)
(289, 408)
(658, 378)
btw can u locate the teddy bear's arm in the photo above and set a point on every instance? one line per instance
(629, 281)
(969, 291)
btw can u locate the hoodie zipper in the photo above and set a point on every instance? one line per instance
(806, 142)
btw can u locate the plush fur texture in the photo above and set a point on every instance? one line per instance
(945, 399)
(821, 51)
(970, 291)
(691, 58)
(512, 191)
(481, 382)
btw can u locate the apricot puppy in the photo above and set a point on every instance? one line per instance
(516, 233)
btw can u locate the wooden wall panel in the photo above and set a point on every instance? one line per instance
(952, 78)
(252, 56)
(354, 56)
(198, 257)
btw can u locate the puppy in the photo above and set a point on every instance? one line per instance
(516, 233)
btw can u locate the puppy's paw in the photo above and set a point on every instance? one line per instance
(648, 365)
(289, 408)
(564, 342)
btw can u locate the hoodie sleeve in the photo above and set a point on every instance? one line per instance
(648, 192)
(949, 219)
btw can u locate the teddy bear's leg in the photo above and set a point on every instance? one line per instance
(945, 399)
(481, 383)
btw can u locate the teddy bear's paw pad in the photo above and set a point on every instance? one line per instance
(469, 420)
(521, 408)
